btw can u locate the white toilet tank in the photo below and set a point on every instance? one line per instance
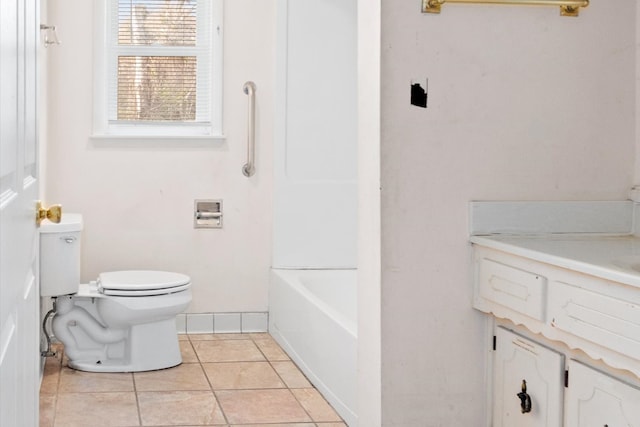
(60, 255)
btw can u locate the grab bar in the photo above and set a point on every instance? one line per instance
(249, 168)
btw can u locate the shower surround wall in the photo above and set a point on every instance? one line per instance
(312, 294)
(315, 149)
(137, 197)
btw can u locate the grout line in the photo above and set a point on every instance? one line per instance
(135, 392)
(57, 388)
(283, 381)
(213, 391)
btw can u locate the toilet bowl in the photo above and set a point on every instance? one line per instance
(125, 321)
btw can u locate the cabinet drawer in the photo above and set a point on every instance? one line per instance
(514, 288)
(599, 318)
(594, 399)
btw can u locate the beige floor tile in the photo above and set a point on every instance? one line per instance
(55, 361)
(259, 335)
(201, 337)
(96, 410)
(261, 406)
(187, 352)
(271, 349)
(232, 336)
(179, 408)
(227, 351)
(47, 409)
(242, 375)
(315, 405)
(72, 381)
(276, 425)
(291, 375)
(51, 376)
(188, 376)
(250, 388)
(217, 337)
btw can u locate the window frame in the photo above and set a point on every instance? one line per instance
(104, 79)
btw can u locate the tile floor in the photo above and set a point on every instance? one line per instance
(225, 380)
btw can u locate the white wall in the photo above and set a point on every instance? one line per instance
(523, 104)
(369, 256)
(637, 163)
(137, 199)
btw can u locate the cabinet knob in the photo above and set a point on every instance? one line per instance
(525, 399)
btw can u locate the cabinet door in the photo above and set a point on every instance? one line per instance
(595, 399)
(518, 359)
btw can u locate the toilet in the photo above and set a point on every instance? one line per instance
(124, 321)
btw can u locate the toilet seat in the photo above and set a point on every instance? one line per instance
(141, 283)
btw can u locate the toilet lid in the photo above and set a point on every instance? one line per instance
(141, 282)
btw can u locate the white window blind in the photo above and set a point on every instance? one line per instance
(163, 67)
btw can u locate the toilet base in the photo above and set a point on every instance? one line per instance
(111, 365)
(150, 346)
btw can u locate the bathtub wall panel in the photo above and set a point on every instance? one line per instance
(315, 191)
(313, 317)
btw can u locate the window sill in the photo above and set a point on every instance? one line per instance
(105, 140)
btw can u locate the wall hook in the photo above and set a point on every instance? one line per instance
(49, 29)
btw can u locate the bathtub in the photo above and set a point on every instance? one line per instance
(312, 315)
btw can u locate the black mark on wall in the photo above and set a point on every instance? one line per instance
(419, 94)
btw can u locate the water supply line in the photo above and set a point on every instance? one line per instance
(48, 352)
(249, 168)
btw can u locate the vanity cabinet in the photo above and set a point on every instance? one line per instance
(596, 399)
(573, 337)
(597, 311)
(597, 316)
(557, 391)
(528, 383)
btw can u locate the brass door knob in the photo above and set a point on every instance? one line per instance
(53, 213)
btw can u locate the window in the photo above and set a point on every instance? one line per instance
(158, 68)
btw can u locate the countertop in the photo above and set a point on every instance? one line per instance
(610, 257)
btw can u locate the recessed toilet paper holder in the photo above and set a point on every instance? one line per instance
(207, 214)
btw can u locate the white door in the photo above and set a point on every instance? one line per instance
(595, 399)
(19, 312)
(518, 359)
